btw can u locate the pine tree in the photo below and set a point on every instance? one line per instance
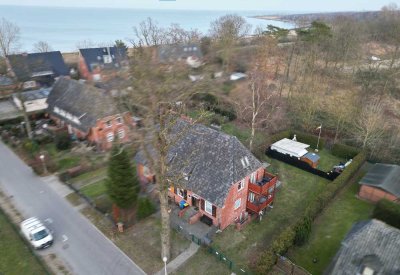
(122, 184)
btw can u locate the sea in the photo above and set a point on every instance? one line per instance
(65, 28)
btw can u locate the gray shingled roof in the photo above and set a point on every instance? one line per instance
(95, 56)
(26, 65)
(372, 244)
(168, 53)
(86, 102)
(384, 176)
(210, 158)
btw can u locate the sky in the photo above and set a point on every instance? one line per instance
(269, 5)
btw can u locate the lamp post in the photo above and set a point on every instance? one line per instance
(43, 163)
(165, 264)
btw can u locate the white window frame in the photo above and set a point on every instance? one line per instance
(178, 191)
(252, 197)
(121, 133)
(208, 207)
(108, 123)
(241, 185)
(238, 202)
(118, 120)
(110, 137)
(253, 177)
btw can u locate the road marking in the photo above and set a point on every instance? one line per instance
(64, 238)
(48, 220)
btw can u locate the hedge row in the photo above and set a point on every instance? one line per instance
(309, 139)
(299, 232)
(388, 212)
(344, 151)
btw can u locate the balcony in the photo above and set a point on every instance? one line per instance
(259, 203)
(262, 186)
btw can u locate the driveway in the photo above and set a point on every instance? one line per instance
(80, 245)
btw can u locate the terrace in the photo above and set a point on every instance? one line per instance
(262, 186)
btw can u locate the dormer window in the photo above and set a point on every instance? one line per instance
(119, 120)
(241, 185)
(108, 123)
(107, 59)
(245, 162)
(366, 270)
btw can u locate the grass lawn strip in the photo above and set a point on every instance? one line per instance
(15, 256)
(94, 190)
(330, 228)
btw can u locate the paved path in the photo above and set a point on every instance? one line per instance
(80, 245)
(180, 260)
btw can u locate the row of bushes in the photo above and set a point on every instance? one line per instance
(388, 212)
(344, 151)
(299, 232)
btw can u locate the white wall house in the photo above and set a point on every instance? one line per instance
(34, 101)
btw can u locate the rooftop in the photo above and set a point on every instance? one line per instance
(384, 176)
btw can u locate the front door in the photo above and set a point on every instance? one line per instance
(185, 195)
(195, 202)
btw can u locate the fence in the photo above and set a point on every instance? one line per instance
(331, 175)
(288, 267)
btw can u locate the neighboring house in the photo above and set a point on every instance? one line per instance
(37, 70)
(88, 113)
(297, 150)
(381, 182)
(190, 53)
(7, 86)
(34, 101)
(370, 248)
(101, 64)
(215, 174)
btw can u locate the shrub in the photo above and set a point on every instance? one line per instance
(303, 231)
(225, 110)
(145, 208)
(63, 141)
(388, 212)
(344, 151)
(309, 139)
(31, 147)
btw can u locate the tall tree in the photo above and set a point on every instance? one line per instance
(122, 183)
(42, 47)
(226, 32)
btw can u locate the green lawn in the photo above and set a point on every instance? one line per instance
(327, 160)
(68, 162)
(89, 176)
(95, 189)
(15, 256)
(298, 188)
(330, 229)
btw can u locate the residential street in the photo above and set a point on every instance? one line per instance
(83, 248)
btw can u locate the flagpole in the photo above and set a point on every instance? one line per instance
(319, 136)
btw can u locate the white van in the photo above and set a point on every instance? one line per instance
(36, 233)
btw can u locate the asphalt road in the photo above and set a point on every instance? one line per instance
(83, 248)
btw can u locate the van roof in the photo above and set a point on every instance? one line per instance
(33, 224)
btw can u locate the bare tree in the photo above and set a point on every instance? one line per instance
(9, 37)
(175, 34)
(370, 125)
(42, 47)
(85, 44)
(148, 33)
(226, 32)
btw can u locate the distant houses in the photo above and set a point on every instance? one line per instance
(370, 248)
(88, 113)
(189, 53)
(36, 70)
(101, 64)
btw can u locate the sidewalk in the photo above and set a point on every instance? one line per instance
(181, 259)
(58, 187)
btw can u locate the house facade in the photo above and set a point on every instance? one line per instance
(216, 175)
(382, 181)
(101, 64)
(34, 101)
(190, 53)
(88, 113)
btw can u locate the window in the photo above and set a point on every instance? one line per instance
(119, 120)
(237, 203)
(271, 190)
(208, 207)
(253, 177)
(110, 137)
(251, 197)
(146, 171)
(121, 133)
(180, 192)
(194, 48)
(241, 185)
(108, 123)
(107, 59)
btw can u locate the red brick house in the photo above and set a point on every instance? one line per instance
(381, 182)
(88, 113)
(101, 64)
(216, 175)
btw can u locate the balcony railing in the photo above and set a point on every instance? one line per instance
(262, 186)
(259, 204)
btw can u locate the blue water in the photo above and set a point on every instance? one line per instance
(63, 28)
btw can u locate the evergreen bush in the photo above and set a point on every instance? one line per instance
(145, 208)
(388, 212)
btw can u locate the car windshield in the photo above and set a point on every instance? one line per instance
(40, 235)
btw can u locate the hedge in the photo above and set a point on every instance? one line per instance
(344, 151)
(388, 212)
(299, 231)
(309, 139)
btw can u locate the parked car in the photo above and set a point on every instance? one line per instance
(36, 233)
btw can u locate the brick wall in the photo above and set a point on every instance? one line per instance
(374, 194)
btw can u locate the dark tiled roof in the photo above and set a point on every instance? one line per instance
(384, 176)
(95, 56)
(211, 159)
(371, 244)
(83, 101)
(6, 81)
(168, 53)
(25, 66)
